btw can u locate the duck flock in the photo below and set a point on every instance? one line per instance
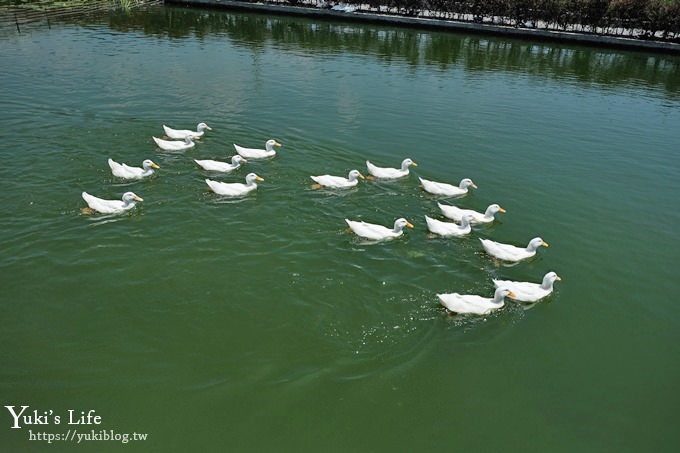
(460, 224)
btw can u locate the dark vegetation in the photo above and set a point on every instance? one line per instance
(643, 19)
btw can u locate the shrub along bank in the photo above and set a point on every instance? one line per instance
(643, 19)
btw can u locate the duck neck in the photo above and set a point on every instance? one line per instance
(547, 284)
(147, 169)
(498, 299)
(531, 248)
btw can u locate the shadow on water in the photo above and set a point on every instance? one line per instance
(472, 54)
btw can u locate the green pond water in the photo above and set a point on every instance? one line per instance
(260, 323)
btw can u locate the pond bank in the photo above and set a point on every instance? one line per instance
(441, 24)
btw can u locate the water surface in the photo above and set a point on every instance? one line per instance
(261, 324)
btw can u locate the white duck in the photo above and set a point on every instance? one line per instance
(529, 292)
(337, 182)
(252, 153)
(378, 232)
(225, 167)
(456, 213)
(235, 189)
(175, 145)
(449, 190)
(128, 202)
(470, 303)
(127, 172)
(390, 173)
(448, 229)
(181, 133)
(511, 253)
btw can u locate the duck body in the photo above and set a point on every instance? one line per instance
(234, 189)
(456, 213)
(128, 201)
(449, 190)
(473, 304)
(181, 133)
(378, 232)
(175, 145)
(448, 229)
(527, 291)
(390, 173)
(338, 182)
(125, 171)
(512, 253)
(224, 167)
(254, 153)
